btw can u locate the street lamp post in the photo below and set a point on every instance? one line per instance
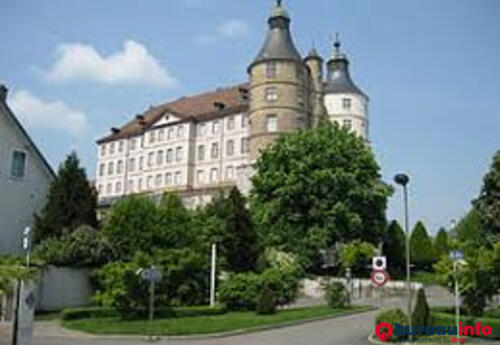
(403, 180)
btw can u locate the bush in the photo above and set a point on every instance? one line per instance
(88, 313)
(266, 302)
(420, 315)
(448, 320)
(336, 295)
(83, 247)
(241, 291)
(393, 316)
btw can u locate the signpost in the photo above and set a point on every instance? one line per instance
(379, 274)
(457, 257)
(152, 275)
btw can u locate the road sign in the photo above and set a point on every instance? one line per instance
(152, 274)
(379, 263)
(456, 255)
(379, 278)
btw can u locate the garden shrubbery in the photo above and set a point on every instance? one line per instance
(336, 295)
(393, 316)
(421, 312)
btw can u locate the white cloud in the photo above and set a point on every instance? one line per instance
(133, 64)
(53, 115)
(231, 29)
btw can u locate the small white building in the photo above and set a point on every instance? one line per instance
(25, 178)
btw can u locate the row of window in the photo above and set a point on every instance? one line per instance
(157, 181)
(201, 128)
(272, 70)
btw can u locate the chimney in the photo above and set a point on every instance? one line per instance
(115, 130)
(3, 92)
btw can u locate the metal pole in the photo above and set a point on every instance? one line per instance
(408, 283)
(151, 307)
(212, 275)
(457, 298)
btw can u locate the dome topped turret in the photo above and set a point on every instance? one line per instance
(338, 78)
(279, 43)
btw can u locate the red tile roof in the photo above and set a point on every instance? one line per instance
(193, 108)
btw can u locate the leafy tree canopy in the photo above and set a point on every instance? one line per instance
(488, 203)
(315, 187)
(469, 228)
(356, 255)
(422, 251)
(394, 247)
(441, 243)
(71, 202)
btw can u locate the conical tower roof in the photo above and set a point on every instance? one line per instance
(279, 43)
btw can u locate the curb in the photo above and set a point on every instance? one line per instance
(84, 335)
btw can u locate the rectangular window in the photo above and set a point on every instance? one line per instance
(244, 145)
(158, 180)
(151, 156)
(112, 148)
(111, 168)
(120, 146)
(347, 124)
(159, 157)
(229, 173)
(131, 164)
(151, 137)
(244, 121)
(271, 69)
(109, 188)
(201, 152)
(118, 187)
(170, 134)
(133, 144)
(161, 135)
(178, 178)
(101, 169)
(141, 162)
(271, 123)
(214, 152)
(170, 155)
(215, 127)
(103, 149)
(346, 103)
(18, 164)
(179, 154)
(180, 131)
(168, 179)
(119, 167)
(201, 129)
(200, 176)
(230, 123)
(271, 94)
(214, 175)
(131, 186)
(230, 148)
(149, 184)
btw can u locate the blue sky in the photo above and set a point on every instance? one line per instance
(430, 68)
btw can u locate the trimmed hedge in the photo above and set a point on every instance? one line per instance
(102, 312)
(446, 319)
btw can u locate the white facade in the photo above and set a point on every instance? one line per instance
(25, 179)
(176, 155)
(349, 110)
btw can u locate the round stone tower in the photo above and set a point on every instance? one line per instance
(279, 85)
(315, 64)
(344, 101)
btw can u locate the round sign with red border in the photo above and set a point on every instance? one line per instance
(379, 278)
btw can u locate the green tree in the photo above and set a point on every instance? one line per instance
(488, 203)
(356, 255)
(479, 277)
(71, 202)
(315, 187)
(238, 239)
(130, 226)
(393, 247)
(422, 251)
(441, 243)
(173, 228)
(469, 228)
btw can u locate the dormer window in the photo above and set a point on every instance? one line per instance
(271, 69)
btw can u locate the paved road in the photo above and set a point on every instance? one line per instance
(352, 329)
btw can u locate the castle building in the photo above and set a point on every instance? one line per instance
(198, 145)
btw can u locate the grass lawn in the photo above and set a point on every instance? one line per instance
(204, 324)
